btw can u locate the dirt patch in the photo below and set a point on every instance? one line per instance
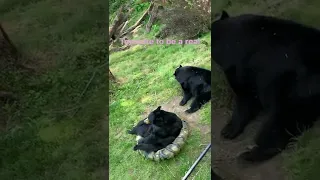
(226, 151)
(192, 119)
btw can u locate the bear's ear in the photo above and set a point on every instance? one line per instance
(224, 15)
(158, 109)
(180, 66)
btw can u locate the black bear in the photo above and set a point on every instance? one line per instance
(195, 82)
(272, 65)
(166, 126)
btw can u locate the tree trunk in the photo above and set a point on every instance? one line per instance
(118, 22)
(153, 17)
(7, 49)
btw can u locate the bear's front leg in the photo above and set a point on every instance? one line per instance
(246, 109)
(186, 97)
(132, 131)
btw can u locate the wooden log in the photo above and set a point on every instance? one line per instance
(124, 26)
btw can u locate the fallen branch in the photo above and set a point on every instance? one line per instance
(117, 31)
(124, 26)
(138, 22)
(136, 29)
(120, 27)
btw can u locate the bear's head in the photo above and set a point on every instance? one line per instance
(157, 117)
(177, 70)
(176, 73)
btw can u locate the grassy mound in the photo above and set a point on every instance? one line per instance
(58, 128)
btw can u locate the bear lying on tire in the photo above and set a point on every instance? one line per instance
(165, 127)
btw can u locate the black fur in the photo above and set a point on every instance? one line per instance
(166, 126)
(272, 65)
(195, 82)
(142, 129)
(214, 176)
(224, 15)
(153, 143)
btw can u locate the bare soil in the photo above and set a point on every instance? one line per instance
(225, 153)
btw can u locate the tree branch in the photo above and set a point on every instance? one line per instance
(153, 16)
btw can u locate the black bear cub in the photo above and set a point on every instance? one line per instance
(195, 82)
(164, 128)
(272, 65)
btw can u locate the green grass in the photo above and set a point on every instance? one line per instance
(56, 130)
(147, 81)
(304, 162)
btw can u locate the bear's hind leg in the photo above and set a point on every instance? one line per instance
(272, 138)
(145, 147)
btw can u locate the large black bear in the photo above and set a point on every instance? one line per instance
(166, 126)
(195, 82)
(272, 65)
